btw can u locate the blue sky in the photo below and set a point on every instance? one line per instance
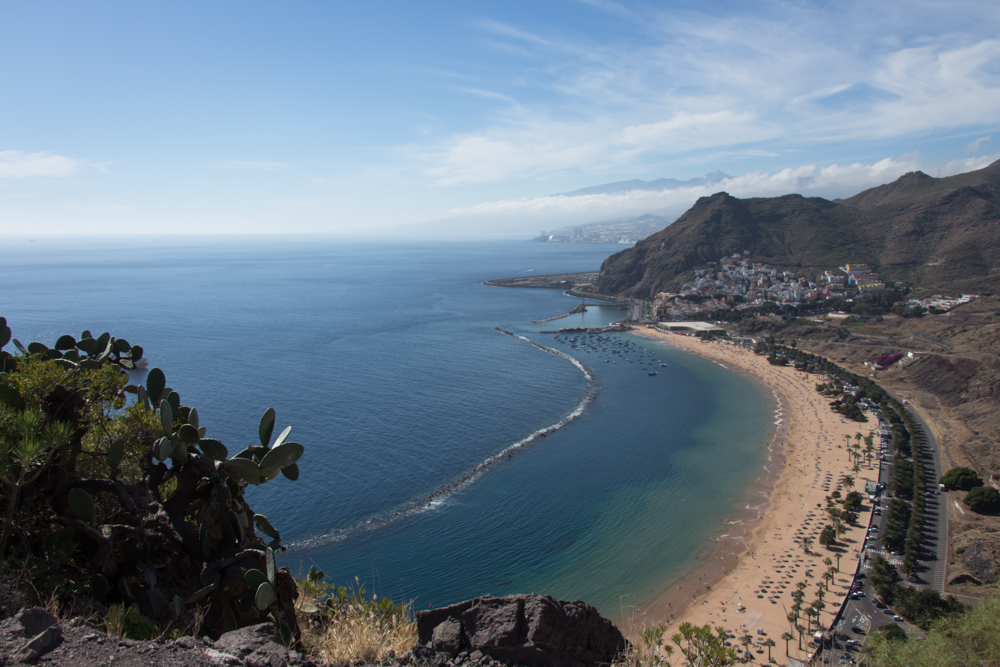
(236, 117)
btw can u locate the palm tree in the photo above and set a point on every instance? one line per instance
(806, 542)
(838, 562)
(801, 631)
(810, 612)
(768, 643)
(787, 636)
(856, 469)
(847, 482)
(746, 640)
(828, 536)
(818, 606)
(828, 577)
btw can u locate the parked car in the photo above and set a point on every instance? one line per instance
(897, 617)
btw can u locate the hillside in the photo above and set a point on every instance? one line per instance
(937, 233)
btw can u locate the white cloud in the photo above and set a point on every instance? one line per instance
(973, 146)
(809, 180)
(968, 164)
(17, 164)
(765, 81)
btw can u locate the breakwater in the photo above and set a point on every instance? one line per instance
(439, 495)
(579, 309)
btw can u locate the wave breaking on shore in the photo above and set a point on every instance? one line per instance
(437, 497)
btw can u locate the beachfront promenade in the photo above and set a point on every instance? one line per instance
(755, 590)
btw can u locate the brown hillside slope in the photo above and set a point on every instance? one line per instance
(938, 233)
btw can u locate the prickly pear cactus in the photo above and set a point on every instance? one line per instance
(182, 545)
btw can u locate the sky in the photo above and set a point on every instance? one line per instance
(465, 117)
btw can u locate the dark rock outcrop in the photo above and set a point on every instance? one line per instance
(982, 562)
(531, 630)
(33, 636)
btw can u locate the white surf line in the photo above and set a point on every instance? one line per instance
(463, 481)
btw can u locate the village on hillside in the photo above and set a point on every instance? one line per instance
(738, 283)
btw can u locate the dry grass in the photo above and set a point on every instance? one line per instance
(351, 632)
(114, 620)
(645, 644)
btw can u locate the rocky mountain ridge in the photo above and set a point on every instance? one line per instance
(937, 233)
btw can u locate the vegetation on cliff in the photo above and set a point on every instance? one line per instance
(957, 641)
(126, 505)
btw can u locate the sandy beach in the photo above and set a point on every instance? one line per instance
(746, 582)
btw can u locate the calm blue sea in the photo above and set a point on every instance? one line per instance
(383, 358)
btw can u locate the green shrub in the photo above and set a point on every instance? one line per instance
(961, 479)
(983, 500)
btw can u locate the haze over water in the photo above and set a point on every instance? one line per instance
(385, 361)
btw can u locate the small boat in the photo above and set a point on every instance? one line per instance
(663, 365)
(652, 372)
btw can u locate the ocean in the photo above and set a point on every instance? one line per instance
(443, 458)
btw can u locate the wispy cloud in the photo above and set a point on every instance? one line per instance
(17, 164)
(973, 146)
(747, 83)
(246, 164)
(968, 164)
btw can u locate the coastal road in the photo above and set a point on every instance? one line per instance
(935, 545)
(862, 615)
(945, 346)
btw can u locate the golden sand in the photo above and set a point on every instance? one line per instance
(753, 590)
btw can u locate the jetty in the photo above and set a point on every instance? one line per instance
(582, 308)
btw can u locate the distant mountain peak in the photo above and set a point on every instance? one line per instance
(658, 185)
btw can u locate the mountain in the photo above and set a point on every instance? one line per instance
(626, 230)
(656, 186)
(938, 233)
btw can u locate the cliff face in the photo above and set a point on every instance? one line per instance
(938, 233)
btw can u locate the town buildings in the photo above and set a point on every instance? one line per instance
(737, 282)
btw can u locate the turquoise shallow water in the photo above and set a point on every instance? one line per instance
(384, 359)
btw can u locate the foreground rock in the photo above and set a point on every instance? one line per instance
(530, 630)
(33, 636)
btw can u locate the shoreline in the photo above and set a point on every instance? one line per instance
(744, 580)
(737, 529)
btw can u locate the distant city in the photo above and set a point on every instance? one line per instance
(625, 232)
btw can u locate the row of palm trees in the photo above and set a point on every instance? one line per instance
(814, 609)
(855, 451)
